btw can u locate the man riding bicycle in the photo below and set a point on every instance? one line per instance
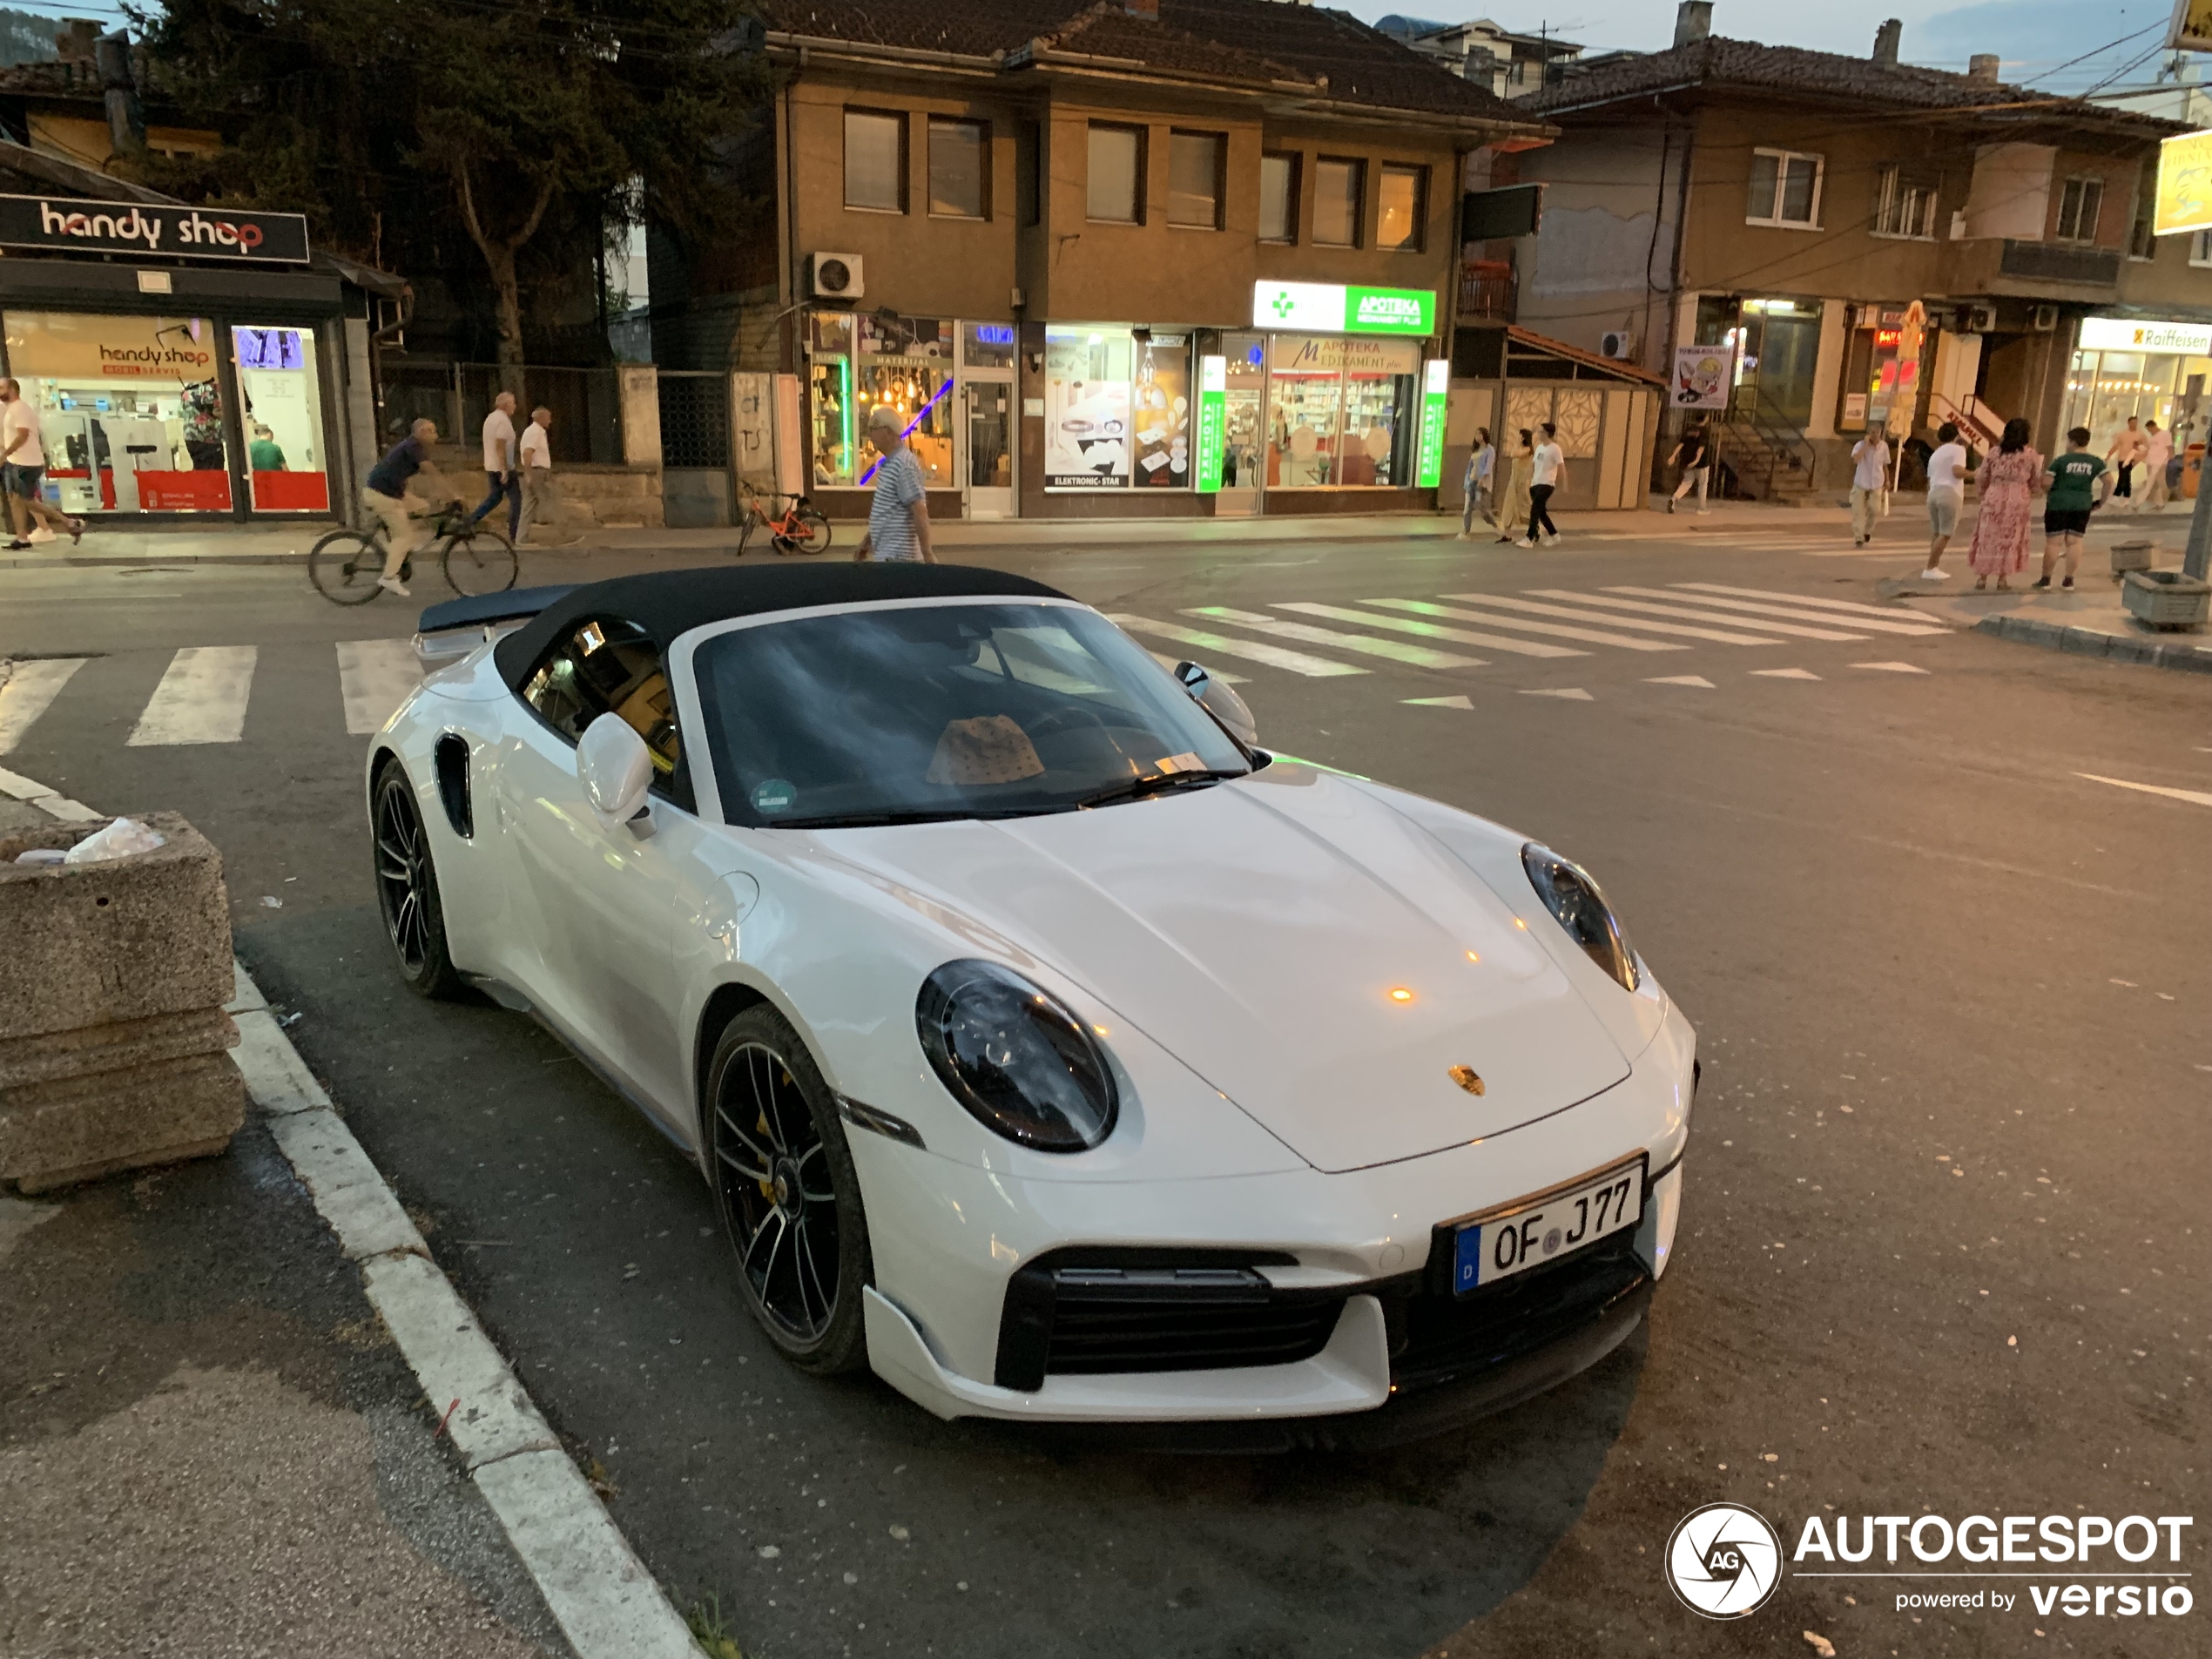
(384, 493)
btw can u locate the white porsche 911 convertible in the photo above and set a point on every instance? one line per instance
(1050, 1047)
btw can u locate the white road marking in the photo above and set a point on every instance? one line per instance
(1170, 663)
(374, 676)
(1889, 625)
(1461, 702)
(1796, 629)
(25, 693)
(200, 699)
(1892, 668)
(1421, 608)
(16, 786)
(2195, 795)
(1785, 673)
(1572, 693)
(1721, 636)
(1426, 629)
(1417, 655)
(1852, 605)
(1250, 650)
(1698, 680)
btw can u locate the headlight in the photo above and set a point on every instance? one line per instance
(1019, 1062)
(1574, 899)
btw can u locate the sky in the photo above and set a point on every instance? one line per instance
(2034, 38)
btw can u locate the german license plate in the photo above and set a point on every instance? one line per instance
(1528, 1232)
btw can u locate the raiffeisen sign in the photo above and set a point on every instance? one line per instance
(1328, 308)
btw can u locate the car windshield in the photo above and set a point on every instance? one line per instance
(912, 714)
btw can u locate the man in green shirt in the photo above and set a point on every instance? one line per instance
(264, 454)
(2074, 493)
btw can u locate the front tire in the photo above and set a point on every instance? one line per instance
(788, 1193)
(407, 889)
(344, 567)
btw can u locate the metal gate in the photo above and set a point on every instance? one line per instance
(695, 446)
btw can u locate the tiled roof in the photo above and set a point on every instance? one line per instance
(1715, 63)
(1331, 55)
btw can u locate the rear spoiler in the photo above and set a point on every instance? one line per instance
(448, 632)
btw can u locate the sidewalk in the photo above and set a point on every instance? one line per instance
(2090, 621)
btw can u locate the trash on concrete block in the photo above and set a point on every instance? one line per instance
(119, 840)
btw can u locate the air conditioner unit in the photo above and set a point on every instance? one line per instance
(2045, 319)
(835, 276)
(1977, 320)
(1617, 343)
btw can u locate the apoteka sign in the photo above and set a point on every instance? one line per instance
(158, 230)
(1333, 308)
(1723, 1561)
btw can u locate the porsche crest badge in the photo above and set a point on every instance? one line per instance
(1467, 1078)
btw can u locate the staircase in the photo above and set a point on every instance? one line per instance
(1760, 458)
(1979, 425)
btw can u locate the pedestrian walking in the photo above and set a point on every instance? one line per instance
(1693, 455)
(1475, 484)
(2074, 494)
(499, 465)
(898, 517)
(2127, 449)
(1513, 501)
(535, 450)
(1870, 476)
(1545, 468)
(2008, 481)
(384, 493)
(1946, 495)
(31, 517)
(2158, 455)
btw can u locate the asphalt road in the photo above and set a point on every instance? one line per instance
(1943, 1245)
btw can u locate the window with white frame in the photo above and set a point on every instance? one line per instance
(1905, 203)
(1786, 189)
(2079, 203)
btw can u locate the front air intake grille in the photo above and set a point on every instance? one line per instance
(1436, 1337)
(1084, 1314)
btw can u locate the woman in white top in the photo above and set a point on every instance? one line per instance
(1946, 494)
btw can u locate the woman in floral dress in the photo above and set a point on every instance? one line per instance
(2008, 481)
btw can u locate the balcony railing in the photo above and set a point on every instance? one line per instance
(1488, 289)
(2061, 262)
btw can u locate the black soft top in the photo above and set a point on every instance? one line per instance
(668, 603)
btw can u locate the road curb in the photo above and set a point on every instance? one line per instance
(2185, 656)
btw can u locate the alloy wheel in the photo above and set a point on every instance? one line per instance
(775, 1178)
(401, 879)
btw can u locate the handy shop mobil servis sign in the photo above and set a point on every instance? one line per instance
(164, 230)
(1329, 308)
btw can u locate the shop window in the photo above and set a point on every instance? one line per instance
(1400, 207)
(960, 154)
(1116, 186)
(855, 363)
(1339, 188)
(1117, 409)
(875, 161)
(1195, 179)
(1785, 189)
(1343, 412)
(130, 410)
(2079, 203)
(1278, 199)
(285, 467)
(987, 344)
(1905, 204)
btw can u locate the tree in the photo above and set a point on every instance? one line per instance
(516, 118)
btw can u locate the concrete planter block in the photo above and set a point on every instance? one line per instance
(77, 1128)
(94, 944)
(2132, 555)
(2166, 599)
(25, 1061)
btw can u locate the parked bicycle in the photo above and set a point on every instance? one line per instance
(473, 557)
(800, 528)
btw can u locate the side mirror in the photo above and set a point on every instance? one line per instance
(616, 769)
(1218, 699)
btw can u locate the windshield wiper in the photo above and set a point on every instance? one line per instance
(877, 821)
(1138, 788)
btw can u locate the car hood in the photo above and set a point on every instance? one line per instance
(1259, 930)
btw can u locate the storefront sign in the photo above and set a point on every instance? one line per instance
(1436, 387)
(1327, 307)
(2120, 333)
(2192, 26)
(1213, 389)
(155, 230)
(1702, 377)
(2184, 185)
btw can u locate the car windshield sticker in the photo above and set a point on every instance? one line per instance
(1186, 761)
(774, 795)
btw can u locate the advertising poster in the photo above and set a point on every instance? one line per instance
(1160, 411)
(1436, 388)
(1087, 410)
(1213, 397)
(1702, 377)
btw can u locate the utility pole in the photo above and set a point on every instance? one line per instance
(2195, 561)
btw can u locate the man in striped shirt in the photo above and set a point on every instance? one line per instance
(899, 517)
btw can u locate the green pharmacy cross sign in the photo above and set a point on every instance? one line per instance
(1330, 309)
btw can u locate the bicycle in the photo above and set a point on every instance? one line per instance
(475, 558)
(801, 528)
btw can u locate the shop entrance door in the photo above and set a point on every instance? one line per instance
(1243, 427)
(986, 472)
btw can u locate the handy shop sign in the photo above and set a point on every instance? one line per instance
(1327, 307)
(143, 229)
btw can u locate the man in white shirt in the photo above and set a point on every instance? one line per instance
(25, 461)
(1545, 465)
(1870, 476)
(1946, 494)
(538, 473)
(499, 464)
(2158, 454)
